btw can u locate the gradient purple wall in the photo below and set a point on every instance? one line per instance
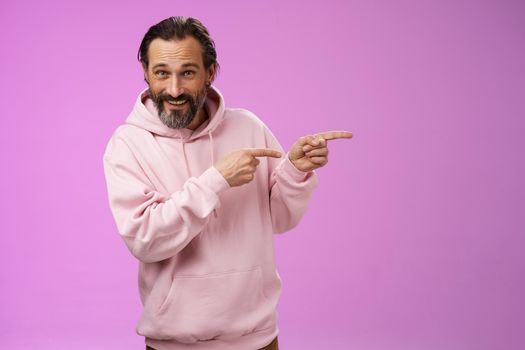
(415, 236)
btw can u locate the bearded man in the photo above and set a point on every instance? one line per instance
(197, 190)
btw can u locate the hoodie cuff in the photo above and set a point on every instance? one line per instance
(213, 179)
(293, 172)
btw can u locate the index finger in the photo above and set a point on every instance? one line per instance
(332, 135)
(263, 152)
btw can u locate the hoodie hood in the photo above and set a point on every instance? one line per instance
(145, 116)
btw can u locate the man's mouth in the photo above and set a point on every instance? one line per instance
(177, 103)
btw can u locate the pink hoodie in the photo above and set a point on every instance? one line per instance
(207, 276)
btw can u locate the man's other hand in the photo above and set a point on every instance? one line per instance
(238, 167)
(311, 152)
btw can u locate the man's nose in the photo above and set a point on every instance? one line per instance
(174, 87)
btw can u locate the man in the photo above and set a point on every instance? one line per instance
(196, 190)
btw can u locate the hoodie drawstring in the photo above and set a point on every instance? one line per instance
(211, 148)
(186, 166)
(212, 162)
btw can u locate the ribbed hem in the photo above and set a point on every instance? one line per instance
(294, 173)
(250, 341)
(213, 179)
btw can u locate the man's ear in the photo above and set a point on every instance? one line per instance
(211, 73)
(145, 71)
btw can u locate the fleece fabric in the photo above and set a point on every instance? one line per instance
(207, 276)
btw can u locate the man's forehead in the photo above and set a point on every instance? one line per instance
(186, 52)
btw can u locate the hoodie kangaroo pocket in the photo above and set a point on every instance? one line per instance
(217, 306)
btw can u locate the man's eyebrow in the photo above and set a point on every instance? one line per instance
(159, 65)
(190, 64)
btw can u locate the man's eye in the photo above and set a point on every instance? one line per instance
(161, 73)
(188, 73)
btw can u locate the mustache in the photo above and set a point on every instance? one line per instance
(169, 98)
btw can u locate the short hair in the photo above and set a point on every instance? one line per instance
(178, 28)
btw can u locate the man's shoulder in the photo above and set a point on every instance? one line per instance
(123, 136)
(243, 116)
(128, 132)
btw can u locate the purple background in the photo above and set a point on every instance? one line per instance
(415, 236)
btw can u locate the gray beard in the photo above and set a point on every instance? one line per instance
(179, 119)
(175, 119)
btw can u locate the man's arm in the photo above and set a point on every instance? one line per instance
(293, 179)
(290, 189)
(153, 225)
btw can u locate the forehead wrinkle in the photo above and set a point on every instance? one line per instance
(175, 53)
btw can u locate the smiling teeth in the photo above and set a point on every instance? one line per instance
(176, 102)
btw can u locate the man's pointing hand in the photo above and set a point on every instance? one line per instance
(311, 152)
(238, 167)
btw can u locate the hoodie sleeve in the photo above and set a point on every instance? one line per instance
(290, 189)
(153, 225)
